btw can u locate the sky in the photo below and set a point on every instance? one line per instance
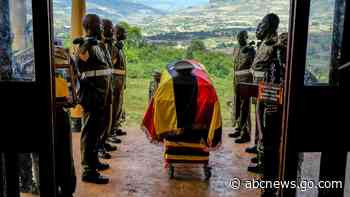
(170, 5)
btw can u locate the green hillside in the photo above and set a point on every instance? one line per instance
(144, 58)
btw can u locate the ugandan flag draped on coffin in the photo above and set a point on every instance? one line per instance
(184, 114)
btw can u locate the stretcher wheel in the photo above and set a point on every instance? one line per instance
(171, 171)
(207, 172)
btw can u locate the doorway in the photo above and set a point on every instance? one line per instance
(130, 169)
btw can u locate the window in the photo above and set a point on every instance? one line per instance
(320, 41)
(16, 41)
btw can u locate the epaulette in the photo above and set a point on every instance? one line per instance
(79, 41)
(85, 43)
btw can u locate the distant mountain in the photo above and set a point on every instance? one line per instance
(219, 14)
(116, 10)
(227, 14)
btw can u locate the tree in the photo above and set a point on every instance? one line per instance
(135, 37)
(195, 46)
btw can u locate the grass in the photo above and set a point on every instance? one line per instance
(136, 99)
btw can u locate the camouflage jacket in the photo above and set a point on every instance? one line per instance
(266, 59)
(265, 54)
(242, 59)
(93, 91)
(119, 62)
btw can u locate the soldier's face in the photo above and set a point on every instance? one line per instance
(262, 29)
(108, 30)
(242, 40)
(122, 35)
(95, 29)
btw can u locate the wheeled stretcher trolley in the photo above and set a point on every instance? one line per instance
(184, 115)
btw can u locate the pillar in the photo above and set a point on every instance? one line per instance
(78, 12)
(18, 23)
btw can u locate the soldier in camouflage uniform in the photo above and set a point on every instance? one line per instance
(94, 72)
(242, 59)
(265, 58)
(119, 80)
(153, 85)
(267, 67)
(107, 45)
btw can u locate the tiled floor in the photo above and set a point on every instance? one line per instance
(137, 170)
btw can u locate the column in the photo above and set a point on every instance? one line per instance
(78, 12)
(18, 23)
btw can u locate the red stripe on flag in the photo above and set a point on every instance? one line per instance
(205, 102)
(148, 121)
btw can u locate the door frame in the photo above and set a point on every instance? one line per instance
(28, 110)
(299, 99)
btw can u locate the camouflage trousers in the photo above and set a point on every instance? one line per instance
(90, 136)
(269, 139)
(118, 113)
(241, 114)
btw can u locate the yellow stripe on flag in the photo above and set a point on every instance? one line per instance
(184, 144)
(215, 122)
(186, 158)
(165, 119)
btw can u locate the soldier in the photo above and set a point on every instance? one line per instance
(262, 65)
(93, 95)
(107, 45)
(242, 59)
(65, 171)
(153, 85)
(267, 67)
(119, 80)
(66, 179)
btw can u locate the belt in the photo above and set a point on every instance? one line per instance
(258, 74)
(118, 72)
(96, 73)
(242, 72)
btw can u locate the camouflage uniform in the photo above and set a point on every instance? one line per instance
(262, 66)
(242, 59)
(106, 47)
(119, 85)
(93, 96)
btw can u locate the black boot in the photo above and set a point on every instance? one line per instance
(102, 166)
(114, 139)
(243, 139)
(120, 132)
(102, 152)
(235, 134)
(255, 169)
(94, 177)
(254, 160)
(104, 155)
(252, 150)
(110, 148)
